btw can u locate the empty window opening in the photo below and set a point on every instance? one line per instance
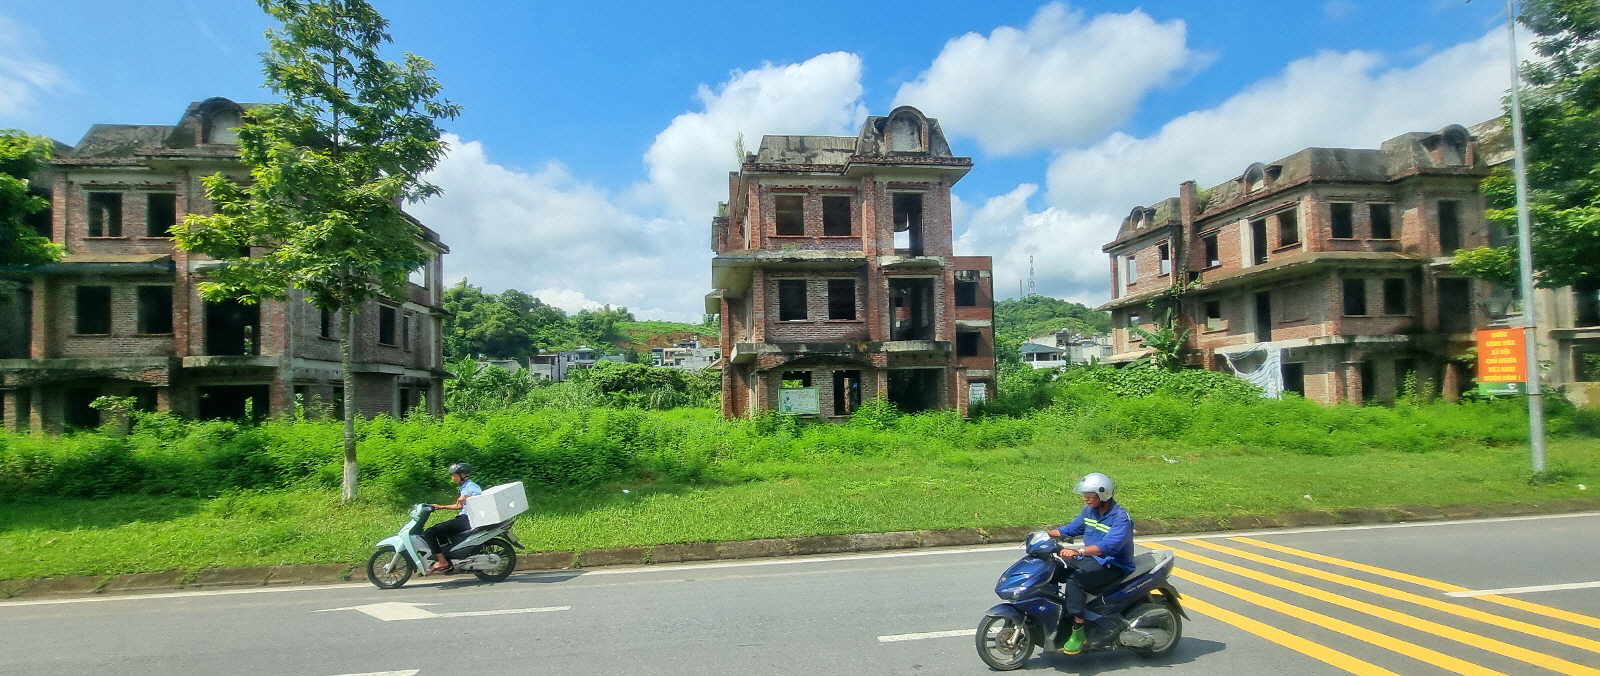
(966, 294)
(911, 309)
(796, 379)
(908, 223)
(155, 309)
(1343, 220)
(1213, 315)
(1394, 296)
(222, 126)
(1163, 259)
(1288, 228)
(160, 214)
(326, 325)
(386, 325)
(1586, 302)
(41, 220)
(967, 343)
(1455, 305)
(1406, 370)
(791, 214)
(233, 328)
(338, 403)
(905, 134)
(1368, 382)
(105, 214)
(1258, 241)
(1382, 221)
(1209, 243)
(234, 402)
(914, 390)
(1294, 378)
(846, 392)
(836, 216)
(145, 399)
(841, 299)
(1133, 268)
(791, 300)
(406, 401)
(93, 310)
(1355, 297)
(1449, 226)
(78, 413)
(1263, 317)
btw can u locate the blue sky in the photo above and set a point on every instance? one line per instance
(596, 135)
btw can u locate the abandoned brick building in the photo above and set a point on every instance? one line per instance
(121, 314)
(835, 278)
(1332, 262)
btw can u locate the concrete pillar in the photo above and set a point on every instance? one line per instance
(1352, 383)
(36, 409)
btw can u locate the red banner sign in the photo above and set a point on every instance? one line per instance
(1501, 356)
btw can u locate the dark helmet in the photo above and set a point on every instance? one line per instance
(461, 468)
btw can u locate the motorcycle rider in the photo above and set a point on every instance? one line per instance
(439, 534)
(1106, 555)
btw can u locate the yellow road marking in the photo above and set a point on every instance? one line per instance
(1287, 640)
(1515, 652)
(1436, 604)
(1408, 649)
(1519, 604)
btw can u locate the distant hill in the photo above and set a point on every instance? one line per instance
(640, 336)
(1023, 318)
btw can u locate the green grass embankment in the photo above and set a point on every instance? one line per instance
(1024, 485)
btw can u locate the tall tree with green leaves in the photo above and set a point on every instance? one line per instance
(1561, 122)
(329, 169)
(22, 156)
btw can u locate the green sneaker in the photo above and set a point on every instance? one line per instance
(1074, 644)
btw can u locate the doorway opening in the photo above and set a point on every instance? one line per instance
(911, 309)
(915, 390)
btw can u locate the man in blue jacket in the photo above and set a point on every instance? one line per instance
(1106, 555)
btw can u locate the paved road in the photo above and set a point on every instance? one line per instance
(1323, 601)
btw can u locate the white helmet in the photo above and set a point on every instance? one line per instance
(1096, 483)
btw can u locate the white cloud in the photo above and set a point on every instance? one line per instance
(575, 245)
(1063, 247)
(22, 76)
(1060, 80)
(690, 160)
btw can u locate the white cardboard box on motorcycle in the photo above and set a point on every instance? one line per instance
(497, 504)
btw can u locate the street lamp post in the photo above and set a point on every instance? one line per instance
(1525, 254)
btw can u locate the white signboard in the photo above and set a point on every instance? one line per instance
(977, 393)
(797, 401)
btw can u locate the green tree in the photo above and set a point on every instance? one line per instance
(1561, 122)
(329, 168)
(21, 156)
(509, 325)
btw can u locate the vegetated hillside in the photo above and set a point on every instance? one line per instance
(640, 336)
(1038, 315)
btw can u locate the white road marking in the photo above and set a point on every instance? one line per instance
(394, 610)
(1524, 590)
(657, 568)
(407, 672)
(926, 634)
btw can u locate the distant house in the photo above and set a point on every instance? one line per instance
(1043, 356)
(555, 366)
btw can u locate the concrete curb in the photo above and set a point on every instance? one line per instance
(325, 573)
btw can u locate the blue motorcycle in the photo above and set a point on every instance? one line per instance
(1141, 612)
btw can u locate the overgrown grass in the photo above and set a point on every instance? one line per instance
(1000, 487)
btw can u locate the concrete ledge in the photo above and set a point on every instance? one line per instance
(615, 556)
(693, 551)
(772, 547)
(753, 549)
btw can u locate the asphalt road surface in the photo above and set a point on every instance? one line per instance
(1372, 600)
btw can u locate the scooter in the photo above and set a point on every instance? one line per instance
(1140, 612)
(489, 552)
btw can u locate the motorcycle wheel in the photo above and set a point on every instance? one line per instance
(508, 560)
(1165, 620)
(388, 569)
(1003, 643)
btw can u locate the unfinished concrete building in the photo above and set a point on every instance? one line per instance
(121, 313)
(835, 278)
(1333, 263)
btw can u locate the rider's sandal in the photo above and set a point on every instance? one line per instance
(439, 568)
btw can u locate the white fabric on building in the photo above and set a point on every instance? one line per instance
(1261, 366)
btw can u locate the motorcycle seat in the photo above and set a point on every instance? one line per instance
(1144, 563)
